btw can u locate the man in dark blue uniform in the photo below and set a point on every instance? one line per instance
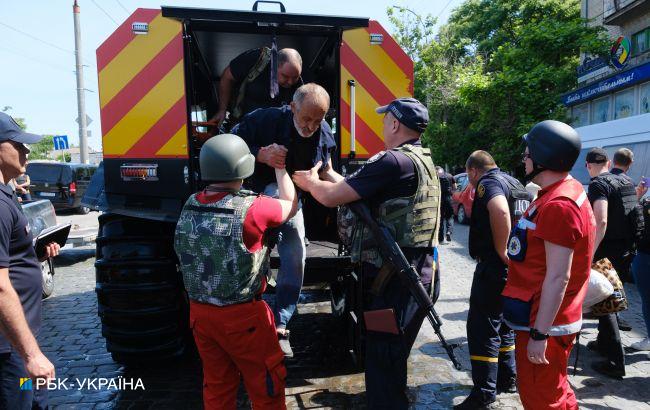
(392, 183)
(447, 187)
(21, 283)
(295, 137)
(499, 199)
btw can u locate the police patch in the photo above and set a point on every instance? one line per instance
(376, 157)
(480, 190)
(514, 246)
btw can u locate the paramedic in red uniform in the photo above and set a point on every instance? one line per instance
(221, 247)
(550, 251)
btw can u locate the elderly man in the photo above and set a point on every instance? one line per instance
(400, 184)
(295, 137)
(21, 282)
(249, 74)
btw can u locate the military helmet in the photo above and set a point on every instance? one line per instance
(553, 145)
(226, 157)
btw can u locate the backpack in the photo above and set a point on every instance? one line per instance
(519, 199)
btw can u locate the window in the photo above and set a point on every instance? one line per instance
(624, 104)
(644, 98)
(580, 115)
(600, 110)
(640, 41)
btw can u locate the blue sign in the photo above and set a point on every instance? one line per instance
(621, 80)
(60, 142)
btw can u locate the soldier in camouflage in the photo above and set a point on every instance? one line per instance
(402, 188)
(220, 242)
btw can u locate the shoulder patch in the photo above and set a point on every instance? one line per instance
(480, 191)
(376, 157)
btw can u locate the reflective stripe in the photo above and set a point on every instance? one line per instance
(507, 348)
(485, 359)
(581, 199)
(559, 330)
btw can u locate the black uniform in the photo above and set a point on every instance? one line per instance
(618, 247)
(491, 341)
(388, 175)
(446, 208)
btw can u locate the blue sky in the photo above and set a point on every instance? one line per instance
(37, 47)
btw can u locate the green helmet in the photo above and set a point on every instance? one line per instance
(226, 157)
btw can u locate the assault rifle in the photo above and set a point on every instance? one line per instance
(392, 253)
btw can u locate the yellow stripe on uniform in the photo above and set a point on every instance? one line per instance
(377, 60)
(485, 359)
(145, 113)
(177, 145)
(135, 56)
(507, 348)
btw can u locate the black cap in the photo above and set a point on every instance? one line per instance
(11, 131)
(409, 112)
(596, 156)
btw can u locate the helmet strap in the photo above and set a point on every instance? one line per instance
(537, 169)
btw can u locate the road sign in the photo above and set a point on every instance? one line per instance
(88, 120)
(60, 142)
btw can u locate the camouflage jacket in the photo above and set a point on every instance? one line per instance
(217, 267)
(413, 221)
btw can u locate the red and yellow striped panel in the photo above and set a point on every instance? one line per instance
(381, 73)
(142, 90)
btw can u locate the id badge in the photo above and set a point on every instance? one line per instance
(518, 243)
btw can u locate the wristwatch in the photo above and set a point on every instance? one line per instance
(537, 335)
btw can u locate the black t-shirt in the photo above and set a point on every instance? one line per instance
(481, 243)
(388, 175)
(18, 255)
(258, 91)
(446, 182)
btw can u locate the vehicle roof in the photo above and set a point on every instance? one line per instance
(269, 17)
(62, 164)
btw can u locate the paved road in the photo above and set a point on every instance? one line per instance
(320, 375)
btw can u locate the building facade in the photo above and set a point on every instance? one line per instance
(619, 86)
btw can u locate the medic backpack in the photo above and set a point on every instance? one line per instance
(626, 221)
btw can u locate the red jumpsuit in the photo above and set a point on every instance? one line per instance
(560, 215)
(239, 341)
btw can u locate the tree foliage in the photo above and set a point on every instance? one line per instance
(495, 69)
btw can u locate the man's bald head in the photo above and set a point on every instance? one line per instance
(289, 67)
(311, 94)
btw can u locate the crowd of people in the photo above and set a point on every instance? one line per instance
(531, 276)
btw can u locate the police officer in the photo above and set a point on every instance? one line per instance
(500, 199)
(220, 241)
(402, 189)
(549, 253)
(447, 187)
(614, 201)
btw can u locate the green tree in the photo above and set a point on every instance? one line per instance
(41, 149)
(496, 68)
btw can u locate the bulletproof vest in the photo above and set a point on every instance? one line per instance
(624, 214)
(260, 65)
(481, 244)
(412, 221)
(217, 267)
(643, 244)
(445, 185)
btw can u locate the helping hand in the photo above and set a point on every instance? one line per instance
(273, 155)
(305, 179)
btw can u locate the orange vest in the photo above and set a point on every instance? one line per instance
(526, 277)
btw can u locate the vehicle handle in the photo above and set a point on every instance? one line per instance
(282, 9)
(353, 140)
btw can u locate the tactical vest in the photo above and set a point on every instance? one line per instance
(481, 244)
(260, 65)
(412, 221)
(624, 215)
(217, 267)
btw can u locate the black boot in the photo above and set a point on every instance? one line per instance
(473, 402)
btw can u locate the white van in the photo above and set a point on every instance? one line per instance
(632, 132)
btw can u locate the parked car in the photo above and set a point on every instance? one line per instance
(463, 198)
(64, 184)
(41, 215)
